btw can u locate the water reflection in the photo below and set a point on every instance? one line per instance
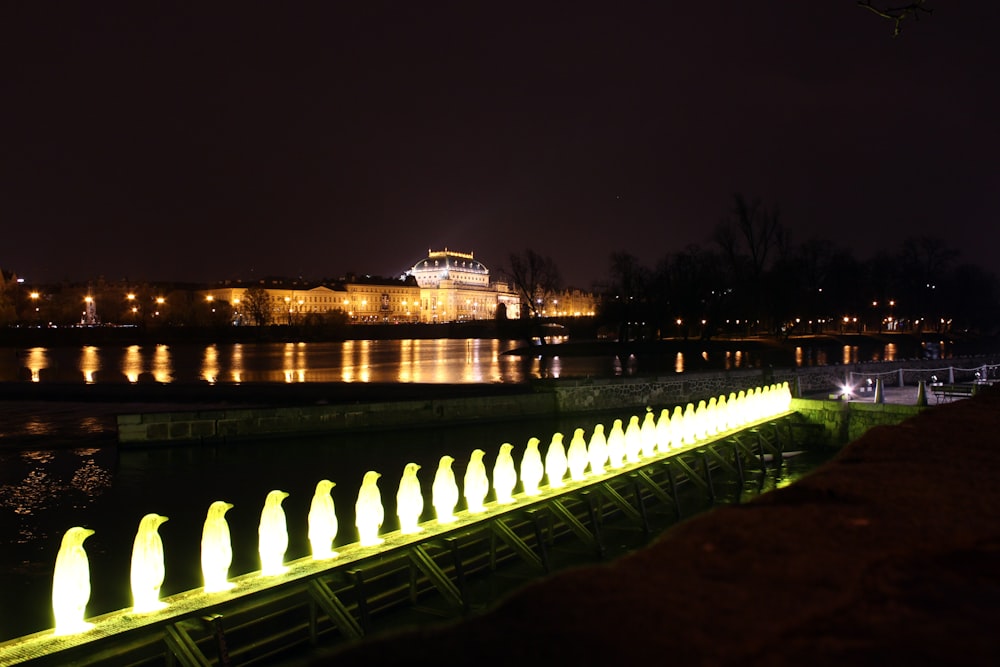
(210, 365)
(411, 360)
(162, 371)
(90, 363)
(132, 364)
(37, 360)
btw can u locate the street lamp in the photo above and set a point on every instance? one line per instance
(34, 296)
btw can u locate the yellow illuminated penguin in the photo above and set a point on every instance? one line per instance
(504, 475)
(476, 484)
(409, 500)
(633, 440)
(647, 434)
(597, 450)
(677, 428)
(216, 548)
(444, 491)
(555, 462)
(71, 583)
(616, 445)
(322, 521)
(532, 470)
(663, 431)
(147, 565)
(272, 534)
(368, 511)
(576, 456)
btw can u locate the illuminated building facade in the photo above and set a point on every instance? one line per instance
(445, 286)
(455, 286)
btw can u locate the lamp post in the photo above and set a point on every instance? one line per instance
(34, 296)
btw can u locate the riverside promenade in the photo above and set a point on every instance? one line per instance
(888, 554)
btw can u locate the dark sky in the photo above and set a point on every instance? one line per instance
(207, 140)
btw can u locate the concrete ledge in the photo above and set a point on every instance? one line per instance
(231, 424)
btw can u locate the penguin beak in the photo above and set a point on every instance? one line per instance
(162, 520)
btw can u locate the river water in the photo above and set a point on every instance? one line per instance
(410, 360)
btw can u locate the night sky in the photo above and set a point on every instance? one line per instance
(203, 141)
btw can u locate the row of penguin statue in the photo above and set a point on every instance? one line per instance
(622, 446)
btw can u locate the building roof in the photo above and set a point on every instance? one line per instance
(448, 260)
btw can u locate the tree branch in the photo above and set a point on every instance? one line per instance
(897, 14)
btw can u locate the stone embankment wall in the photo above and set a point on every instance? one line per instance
(844, 421)
(255, 422)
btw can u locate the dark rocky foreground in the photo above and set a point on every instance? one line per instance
(889, 554)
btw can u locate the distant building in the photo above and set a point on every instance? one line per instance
(444, 286)
(455, 286)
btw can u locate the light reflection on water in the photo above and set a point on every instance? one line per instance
(412, 360)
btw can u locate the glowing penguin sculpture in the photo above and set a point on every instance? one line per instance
(368, 512)
(272, 535)
(147, 565)
(444, 491)
(677, 428)
(689, 428)
(576, 456)
(616, 445)
(633, 440)
(476, 484)
(323, 522)
(647, 434)
(504, 475)
(216, 548)
(409, 500)
(701, 421)
(532, 469)
(663, 431)
(555, 462)
(597, 450)
(712, 417)
(71, 583)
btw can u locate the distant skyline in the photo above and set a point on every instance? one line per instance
(211, 141)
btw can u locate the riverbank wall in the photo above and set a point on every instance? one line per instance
(814, 389)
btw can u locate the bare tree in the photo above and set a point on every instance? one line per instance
(752, 237)
(258, 306)
(534, 277)
(897, 14)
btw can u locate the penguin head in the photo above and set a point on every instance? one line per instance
(75, 536)
(533, 443)
(557, 438)
(324, 486)
(219, 508)
(152, 521)
(477, 454)
(578, 433)
(446, 461)
(275, 497)
(371, 477)
(506, 448)
(599, 428)
(411, 469)
(634, 419)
